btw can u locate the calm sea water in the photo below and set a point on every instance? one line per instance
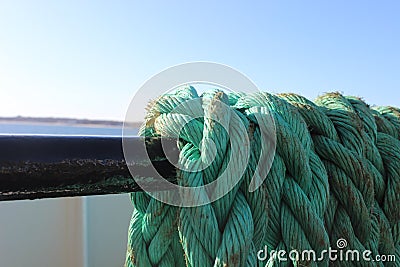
(58, 129)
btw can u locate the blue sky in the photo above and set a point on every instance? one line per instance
(87, 58)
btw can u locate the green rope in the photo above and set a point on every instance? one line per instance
(335, 174)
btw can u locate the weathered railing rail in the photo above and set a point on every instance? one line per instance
(61, 166)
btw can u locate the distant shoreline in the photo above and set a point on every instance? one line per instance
(65, 122)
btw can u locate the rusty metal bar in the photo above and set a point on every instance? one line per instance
(34, 167)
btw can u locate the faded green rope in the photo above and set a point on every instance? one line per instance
(335, 174)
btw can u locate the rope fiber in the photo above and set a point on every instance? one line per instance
(335, 175)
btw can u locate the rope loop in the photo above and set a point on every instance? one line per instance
(286, 174)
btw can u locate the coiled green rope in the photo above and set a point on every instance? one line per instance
(335, 174)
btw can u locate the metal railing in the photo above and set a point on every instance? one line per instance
(40, 166)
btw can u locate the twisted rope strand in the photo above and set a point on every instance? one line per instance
(335, 174)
